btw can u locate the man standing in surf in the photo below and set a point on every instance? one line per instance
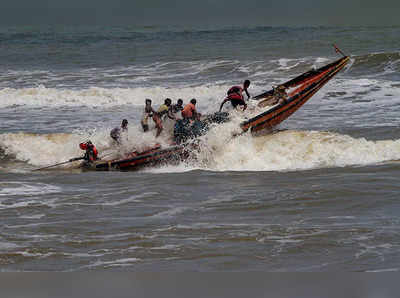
(235, 96)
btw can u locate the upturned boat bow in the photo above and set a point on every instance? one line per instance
(286, 103)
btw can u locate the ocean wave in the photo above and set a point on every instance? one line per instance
(288, 150)
(103, 97)
(11, 188)
(45, 149)
(208, 96)
(377, 63)
(172, 74)
(294, 150)
(207, 81)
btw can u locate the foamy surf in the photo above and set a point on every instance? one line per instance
(47, 149)
(297, 150)
(288, 150)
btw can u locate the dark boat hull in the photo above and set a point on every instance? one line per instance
(133, 161)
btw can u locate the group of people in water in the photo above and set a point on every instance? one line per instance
(168, 110)
(176, 112)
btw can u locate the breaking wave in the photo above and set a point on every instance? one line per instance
(102, 97)
(292, 150)
(377, 63)
(288, 150)
(45, 149)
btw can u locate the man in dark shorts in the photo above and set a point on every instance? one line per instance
(235, 96)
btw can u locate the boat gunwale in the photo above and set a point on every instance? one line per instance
(291, 102)
(138, 159)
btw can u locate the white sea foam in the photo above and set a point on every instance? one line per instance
(103, 98)
(286, 64)
(135, 198)
(114, 263)
(171, 212)
(47, 149)
(371, 91)
(296, 150)
(283, 151)
(360, 94)
(167, 247)
(384, 270)
(11, 188)
(35, 255)
(159, 80)
(259, 72)
(34, 216)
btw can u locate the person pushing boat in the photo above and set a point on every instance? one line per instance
(163, 111)
(189, 112)
(91, 153)
(148, 113)
(176, 108)
(235, 95)
(190, 125)
(116, 133)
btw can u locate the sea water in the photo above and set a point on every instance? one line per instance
(320, 194)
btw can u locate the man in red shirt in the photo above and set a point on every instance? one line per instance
(91, 153)
(235, 96)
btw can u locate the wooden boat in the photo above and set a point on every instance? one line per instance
(280, 103)
(152, 157)
(285, 100)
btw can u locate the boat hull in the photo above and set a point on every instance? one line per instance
(303, 86)
(134, 160)
(307, 85)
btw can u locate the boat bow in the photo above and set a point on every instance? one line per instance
(306, 85)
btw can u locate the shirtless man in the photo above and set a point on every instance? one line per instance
(148, 113)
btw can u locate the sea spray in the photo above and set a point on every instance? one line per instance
(222, 149)
(300, 150)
